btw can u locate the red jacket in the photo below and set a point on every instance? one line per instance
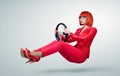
(84, 40)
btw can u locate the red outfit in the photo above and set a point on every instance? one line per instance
(78, 53)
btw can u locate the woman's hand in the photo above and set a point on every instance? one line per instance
(55, 31)
(67, 31)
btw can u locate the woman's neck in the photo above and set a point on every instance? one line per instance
(85, 26)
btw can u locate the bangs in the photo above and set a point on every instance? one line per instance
(83, 14)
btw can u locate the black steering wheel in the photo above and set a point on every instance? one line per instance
(57, 33)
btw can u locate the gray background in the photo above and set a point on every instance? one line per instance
(31, 23)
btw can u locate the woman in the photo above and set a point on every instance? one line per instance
(76, 54)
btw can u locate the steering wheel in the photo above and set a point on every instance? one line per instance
(57, 36)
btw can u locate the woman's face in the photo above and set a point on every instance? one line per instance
(82, 20)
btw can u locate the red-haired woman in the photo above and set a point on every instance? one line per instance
(76, 54)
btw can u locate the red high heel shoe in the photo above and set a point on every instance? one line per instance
(27, 54)
(23, 53)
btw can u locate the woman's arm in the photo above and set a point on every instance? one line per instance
(71, 39)
(90, 35)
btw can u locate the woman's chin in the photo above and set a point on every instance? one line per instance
(81, 24)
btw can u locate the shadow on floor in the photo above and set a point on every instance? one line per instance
(75, 70)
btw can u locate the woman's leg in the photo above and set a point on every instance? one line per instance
(69, 52)
(72, 53)
(46, 46)
(38, 52)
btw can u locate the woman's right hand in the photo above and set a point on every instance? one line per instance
(67, 31)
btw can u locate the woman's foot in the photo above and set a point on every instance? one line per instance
(27, 54)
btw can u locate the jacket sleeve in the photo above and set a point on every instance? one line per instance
(71, 39)
(88, 36)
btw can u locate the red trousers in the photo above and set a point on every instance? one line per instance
(68, 51)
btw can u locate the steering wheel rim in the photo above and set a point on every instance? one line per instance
(66, 34)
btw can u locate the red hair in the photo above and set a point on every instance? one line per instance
(89, 17)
